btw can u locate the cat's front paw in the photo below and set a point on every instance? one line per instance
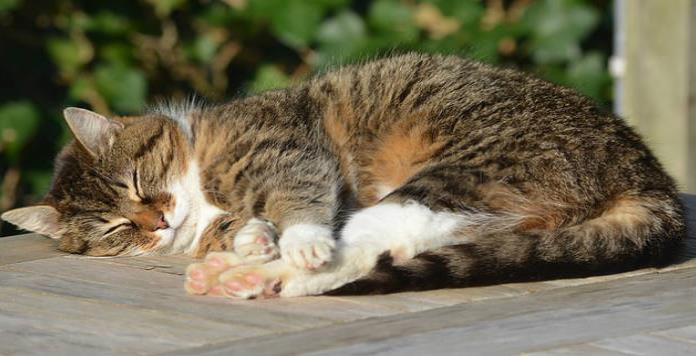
(256, 241)
(307, 246)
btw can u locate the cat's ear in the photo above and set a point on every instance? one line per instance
(42, 219)
(95, 132)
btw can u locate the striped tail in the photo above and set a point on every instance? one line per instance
(630, 232)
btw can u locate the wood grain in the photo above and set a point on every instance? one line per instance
(527, 323)
(28, 247)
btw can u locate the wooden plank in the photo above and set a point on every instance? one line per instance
(165, 264)
(686, 333)
(37, 316)
(28, 247)
(332, 308)
(544, 320)
(87, 269)
(115, 278)
(572, 282)
(576, 350)
(644, 344)
(419, 301)
(146, 289)
(27, 340)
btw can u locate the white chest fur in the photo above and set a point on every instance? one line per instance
(192, 212)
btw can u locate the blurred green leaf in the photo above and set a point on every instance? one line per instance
(165, 7)
(589, 75)
(116, 52)
(268, 77)
(557, 26)
(346, 27)
(66, 54)
(218, 14)
(393, 18)
(38, 181)
(257, 10)
(295, 22)
(125, 88)
(80, 88)
(340, 37)
(109, 23)
(18, 124)
(467, 11)
(329, 4)
(203, 49)
(7, 5)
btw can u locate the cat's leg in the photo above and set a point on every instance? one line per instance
(301, 196)
(402, 230)
(419, 216)
(254, 243)
(306, 232)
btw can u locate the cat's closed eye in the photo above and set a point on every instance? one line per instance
(136, 186)
(118, 226)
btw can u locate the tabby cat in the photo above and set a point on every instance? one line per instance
(406, 173)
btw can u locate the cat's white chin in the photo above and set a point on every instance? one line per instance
(166, 236)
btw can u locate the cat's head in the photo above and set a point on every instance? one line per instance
(118, 188)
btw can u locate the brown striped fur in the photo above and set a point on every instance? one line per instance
(568, 185)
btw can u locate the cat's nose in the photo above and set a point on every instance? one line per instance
(162, 223)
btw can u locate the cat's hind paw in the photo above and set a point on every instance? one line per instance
(307, 246)
(256, 242)
(252, 281)
(203, 278)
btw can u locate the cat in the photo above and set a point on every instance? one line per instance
(409, 172)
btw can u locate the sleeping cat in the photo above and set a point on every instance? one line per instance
(406, 173)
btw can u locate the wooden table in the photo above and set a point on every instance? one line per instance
(51, 302)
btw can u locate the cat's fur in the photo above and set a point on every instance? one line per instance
(431, 171)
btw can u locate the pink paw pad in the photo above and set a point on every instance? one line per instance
(197, 280)
(262, 240)
(216, 290)
(249, 284)
(196, 287)
(197, 274)
(202, 278)
(233, 286)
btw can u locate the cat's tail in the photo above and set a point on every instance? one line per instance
(628, 232)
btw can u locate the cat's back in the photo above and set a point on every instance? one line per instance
(499, 120)
(417, 82)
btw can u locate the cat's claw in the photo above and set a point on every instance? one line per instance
(255, 242)
(307, 246)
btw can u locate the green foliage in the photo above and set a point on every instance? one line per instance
(556, 28)
(268, 77)
(19, 123)
(115, 57)
(124, 88)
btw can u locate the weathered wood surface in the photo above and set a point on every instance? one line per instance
(51, 302)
